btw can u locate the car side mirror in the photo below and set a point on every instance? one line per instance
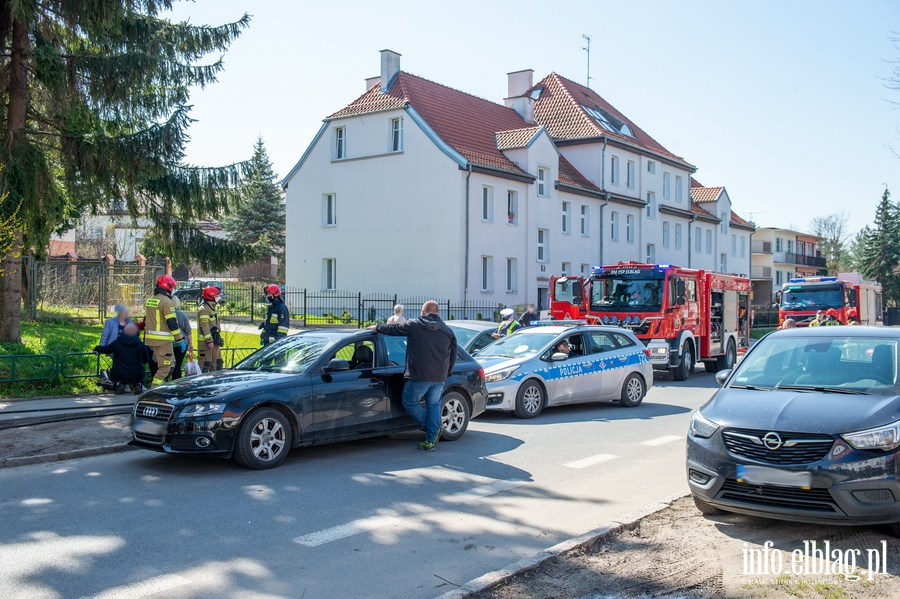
(337, 365)
(851, 296)
(559, 357)
(722, 376)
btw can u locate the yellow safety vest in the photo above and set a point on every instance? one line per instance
(158, 309)
(207, 318)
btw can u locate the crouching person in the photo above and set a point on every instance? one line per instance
(129, 356)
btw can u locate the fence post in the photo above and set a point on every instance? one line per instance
(359, 311)
(101, 309)
(448, 311)
(305, 317)
(252, 302)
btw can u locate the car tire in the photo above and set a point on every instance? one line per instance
(711, 367)
(686, 365)
(727, 361)
(264, 439)
(893, 529)
(454, 416)
(705, 508)
(530, 399)
(633, 391)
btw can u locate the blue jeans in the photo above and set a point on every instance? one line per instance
(430, 417)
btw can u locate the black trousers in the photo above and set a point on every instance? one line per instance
(179, 360)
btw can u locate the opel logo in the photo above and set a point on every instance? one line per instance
(772, 441)
(151, 412)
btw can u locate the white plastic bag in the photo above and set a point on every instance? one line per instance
(192, 368)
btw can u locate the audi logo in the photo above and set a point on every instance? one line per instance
(150, 411)
(772, 441)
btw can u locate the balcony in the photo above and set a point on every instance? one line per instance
(760, 272)
(761, 247)
(800, 259)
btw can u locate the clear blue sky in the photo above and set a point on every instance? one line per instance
(783, 103)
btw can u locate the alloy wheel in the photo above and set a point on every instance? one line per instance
(635, 389)
(453, 415)
(267, 439)
(532, 399)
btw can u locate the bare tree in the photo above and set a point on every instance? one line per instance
(836, 236)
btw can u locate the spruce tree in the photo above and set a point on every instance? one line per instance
(879, 253)
(95, 110)
(260, 219)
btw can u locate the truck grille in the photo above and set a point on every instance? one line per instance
(796, 448)
(814, 500)
(153, 411)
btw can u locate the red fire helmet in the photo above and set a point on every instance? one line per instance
(210, 293)
(273, 289)
(166, 282)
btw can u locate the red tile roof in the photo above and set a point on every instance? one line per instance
(737, 220)
(569, 175)
(695, 183)
(702, 212)
(560, 108)
(515, 138)
(463, 121)
(61, 249)
(705, 194)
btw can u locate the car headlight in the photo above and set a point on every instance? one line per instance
(202, 409)
(500, 375)
(883, 437)
(701, 427)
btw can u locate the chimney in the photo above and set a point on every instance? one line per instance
(390, 66)
(519, 82)
(372, 81)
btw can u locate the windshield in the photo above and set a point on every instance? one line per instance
(463, 335)
(862, 364)
(518, 345)
(812, 298)
(294, 354)
(567, 291)
(613, 293)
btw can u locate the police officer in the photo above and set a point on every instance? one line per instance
(278, 317)
(161, 330)
(509, 325)
(210, 340)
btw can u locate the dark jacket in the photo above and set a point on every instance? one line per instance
(129, 356)
(527, 319)
(278, 321)
(431, 347)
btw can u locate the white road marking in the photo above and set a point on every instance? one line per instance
(144, 588)
(590, 461)
(483, 491)
(662, 440)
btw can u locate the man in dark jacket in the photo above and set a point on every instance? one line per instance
(129, 356)
(430, 357)
(278, 317)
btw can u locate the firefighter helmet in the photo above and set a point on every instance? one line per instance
(210, 293)
(166, 282)
(852, 313)
(273, 289)
(831, 312)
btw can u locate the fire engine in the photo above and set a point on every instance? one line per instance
(682, 315)
(800, 299)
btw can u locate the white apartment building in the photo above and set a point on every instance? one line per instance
(416, 187)
(780, 255)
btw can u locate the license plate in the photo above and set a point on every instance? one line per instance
(148, 427)
(762, 475)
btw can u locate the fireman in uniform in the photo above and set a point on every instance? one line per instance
(278, 317)
(161, 330)
(210, 340)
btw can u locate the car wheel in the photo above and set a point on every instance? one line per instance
(633, 391)
(529, 399)
(727, 361)
(263, 439)
(454, 416)
(893, 529)
(706, 508)
(687, 363)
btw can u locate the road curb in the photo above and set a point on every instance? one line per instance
(64, 455)
(585, 540)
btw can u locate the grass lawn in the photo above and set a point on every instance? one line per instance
(760, 333)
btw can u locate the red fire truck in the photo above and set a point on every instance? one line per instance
(800, 299)
(682, 315)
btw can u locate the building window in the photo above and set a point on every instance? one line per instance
(665, 239)
(340, 143)
(723, 262)
(566, 217)
(543, 246)
(709, 241)
(651, 253)
(651, 204)
(629, 174)
(487, 273)
(743, 246)
(778, 244)
(678, 236)
(585, 269)
(543, 178)
(329, 210)
(724, 224)
(512, 207)
(790, 246)
(329, 274)
(698, 240)
(585, 220)
(614, 170)
(666, 192)
(651, 167)
(487, 204)
(778, 278)
(733, 244)
(629, 228)
(677, 189)
(614, 226)
(512, 275)
(397, 135)
(566, 268)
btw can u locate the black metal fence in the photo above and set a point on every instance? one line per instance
(764, 318)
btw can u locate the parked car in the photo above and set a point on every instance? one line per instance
(525, 372)
(189, 291)
(806, 428)
(315, 387)
(473, 335)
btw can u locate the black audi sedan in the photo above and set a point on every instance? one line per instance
(805, 428)
(315, 387)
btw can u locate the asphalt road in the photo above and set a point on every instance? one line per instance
(373, 518)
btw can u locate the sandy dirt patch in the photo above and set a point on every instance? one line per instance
(57, 437)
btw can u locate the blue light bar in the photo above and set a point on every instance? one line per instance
(828, 279)
(663, 265)
(797, 281)
(554, 323)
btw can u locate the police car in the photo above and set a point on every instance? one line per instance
(564, 362)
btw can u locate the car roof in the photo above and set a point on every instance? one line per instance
(838, 331)
(562, 328)
(471, 324)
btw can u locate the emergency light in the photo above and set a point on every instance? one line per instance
(554, 323)
(813, 280)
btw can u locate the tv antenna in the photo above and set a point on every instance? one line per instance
(587, 49)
